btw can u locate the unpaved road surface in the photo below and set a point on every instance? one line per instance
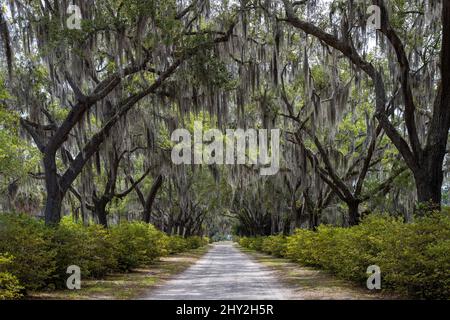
(224, 273)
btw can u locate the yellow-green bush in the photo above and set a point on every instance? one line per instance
(244, 241)
(195, 242)
(90, 248)
(9, 284)
(275, 245)
(176, 244)
(29, 241)
(42, 254)
(254, 243)
(414, 258)
(300, 247)
(136, 243)
(418, 259)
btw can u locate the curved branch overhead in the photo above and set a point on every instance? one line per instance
(363, 114)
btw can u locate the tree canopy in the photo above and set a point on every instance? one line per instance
(91, 92)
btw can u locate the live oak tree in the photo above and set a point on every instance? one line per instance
(148, 200)
(355, 107)
(425, 147)
(101, 197)
(342, 153)
(18, 157)
(118, 43)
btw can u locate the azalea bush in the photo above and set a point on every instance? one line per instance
(254, 243)
(275, 245)
(34, 256)
(91, 248)
(413, 257)
(29, 241)
(137, 243)
(195, 242)
(10, 287)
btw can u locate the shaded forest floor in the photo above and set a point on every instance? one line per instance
(127, 285)
(312, 284)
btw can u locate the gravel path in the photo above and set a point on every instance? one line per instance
(223, 273)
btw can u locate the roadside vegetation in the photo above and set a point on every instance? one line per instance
(126, 285)
(413, 257)
(36, 257)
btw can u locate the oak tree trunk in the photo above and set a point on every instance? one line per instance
(100, 211)
(428, 179)
(151, 198)
(53, 203)
(353, 213)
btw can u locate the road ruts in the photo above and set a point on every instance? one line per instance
(223, 273)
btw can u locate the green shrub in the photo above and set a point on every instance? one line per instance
(10, 287)
(136, 243)
(176, 244)
(254, 243)
(29, 241)
(90, 248)
(414, 258)
(300, 247)
(244, 241)
(195, 242)
(275, 245)
(42, 254)
(417, 261)
(257, 243)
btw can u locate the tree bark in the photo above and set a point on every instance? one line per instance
(313, 219)
(429, 183)
(151, 198)
(353, 213)
(102, 217)
(100, 211)
(55, 195)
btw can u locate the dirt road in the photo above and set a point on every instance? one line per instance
(223, 273)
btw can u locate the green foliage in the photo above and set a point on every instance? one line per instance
(195, 242)
(252, 243)
(414, 258)
(176, 244)
(28, 240)
(418, 259)
(42, 254)
(275, 245)
(136, 243)
(90, 248)
(206, 68)
(9, 284)
(17, 156)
